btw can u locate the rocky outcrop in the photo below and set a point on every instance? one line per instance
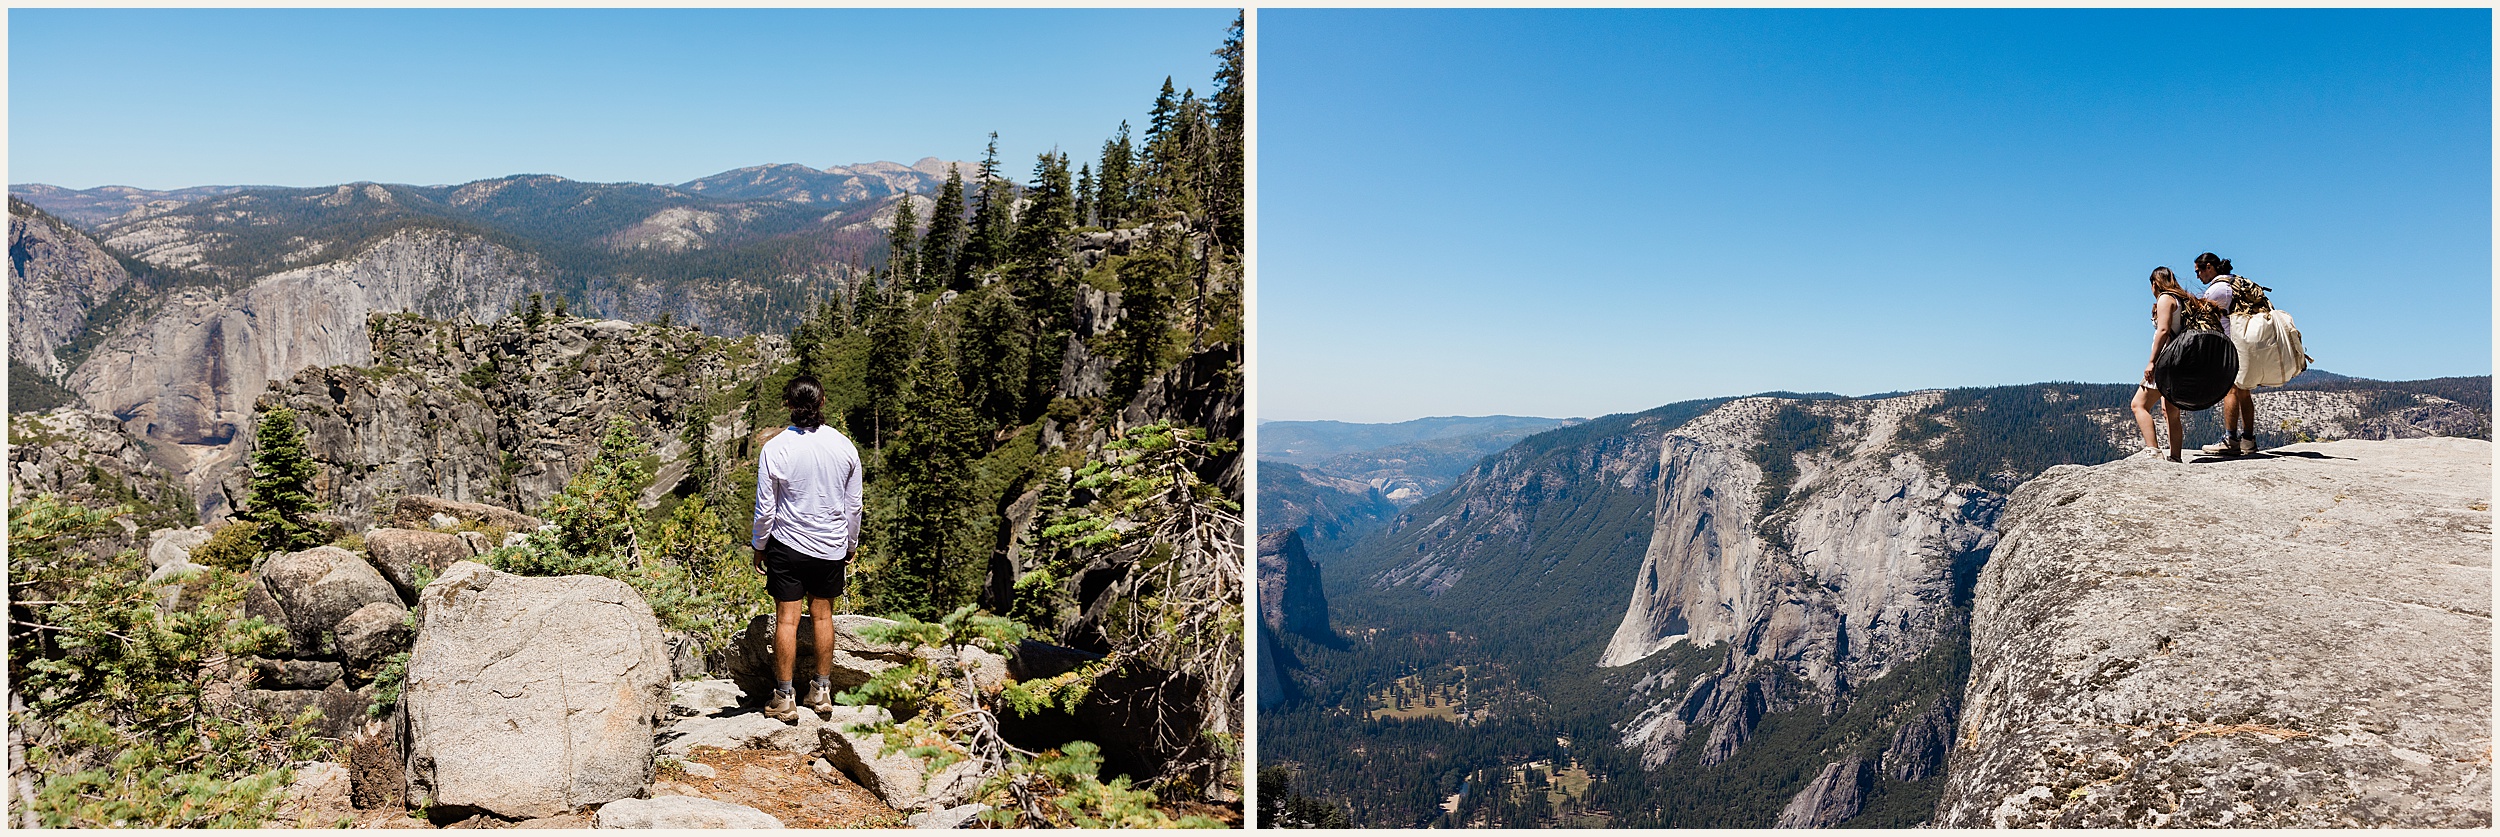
(310, 593)
(404, 556)
(530, 697)
(903, 781)
(342, 708)
(1202, 391)
(318, 798)
(727, 732)
(58, 277)
(1844, 565)
(501, 414)
(1290, 599)
(1276, 688)
(1836, 794)
(680, 812)
(2301, 639)
(416, 511)
(703, 697)
(369, 636)
(1918, 747)
(85, 457)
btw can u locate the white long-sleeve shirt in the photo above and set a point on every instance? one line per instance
(808, 492)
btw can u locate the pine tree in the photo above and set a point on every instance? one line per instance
(561, 311)
(282, 476)
(536, 312)
(1146, 300)
(1116, 191)
(1158, 158)
(1182, 179)
(1050, 217)
(990, 345)
(900, 257)
(929, 568)
(697, 436)
(891, 337)
(1084, 195)
(1159, 127)
(944, 244)
(808, 340)
(1230, 115)
(991, 228)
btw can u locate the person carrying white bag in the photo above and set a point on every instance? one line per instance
(2268, 342)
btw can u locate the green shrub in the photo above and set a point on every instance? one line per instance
(119, 728)
(232, 548)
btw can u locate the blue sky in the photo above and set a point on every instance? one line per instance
(162, 98)
(1581, 213)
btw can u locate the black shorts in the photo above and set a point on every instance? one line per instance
(791, 575)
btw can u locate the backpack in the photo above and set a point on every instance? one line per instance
(2195, 314)
(2247, 297)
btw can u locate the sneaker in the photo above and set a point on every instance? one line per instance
(2226, 446)
(783, 708)
(820, 699)
(2248, 445)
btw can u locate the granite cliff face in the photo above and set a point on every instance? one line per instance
(57, 278)
(2297, 640)
(1290, 599)
(1847, 577)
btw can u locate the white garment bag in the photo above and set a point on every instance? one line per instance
(2270, 349)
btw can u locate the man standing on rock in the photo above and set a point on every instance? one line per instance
(807, 522)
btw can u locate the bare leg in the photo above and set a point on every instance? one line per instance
(2231, 413)
(2171, 412)
(822, 610)
(786, 638)
(2143, 404)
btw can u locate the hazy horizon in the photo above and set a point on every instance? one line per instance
(316, 97)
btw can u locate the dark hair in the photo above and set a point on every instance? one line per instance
(806, 400)
(2165, 281)
(2219, 264)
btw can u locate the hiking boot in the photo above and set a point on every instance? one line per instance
(783, 708)
(2248, 445)
(820, 699)
(2226, 447)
